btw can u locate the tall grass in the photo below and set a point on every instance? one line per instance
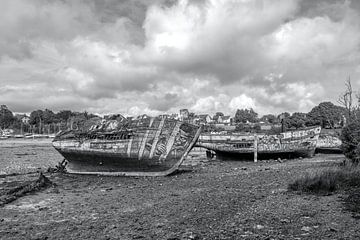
(328, 181)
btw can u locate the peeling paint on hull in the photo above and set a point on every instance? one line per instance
(328, 144)
(145, 147)
(300, 143)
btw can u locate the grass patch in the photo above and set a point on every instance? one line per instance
(345, 178)
(328, 181)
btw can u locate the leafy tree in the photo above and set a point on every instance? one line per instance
(217, 115)
(283, 115)
(36, 117)
(246, 115)
(49, 117)
(326, 114)
(64, 115)
(6, 117)
(296, 120)
(270, 118)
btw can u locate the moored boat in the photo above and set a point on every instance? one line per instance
(2, 137)
(298, 143)
(142, 147)
(19, 136)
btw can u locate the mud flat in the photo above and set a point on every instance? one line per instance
(26, 155)
(204, 200)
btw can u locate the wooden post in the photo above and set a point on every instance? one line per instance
(255, 148)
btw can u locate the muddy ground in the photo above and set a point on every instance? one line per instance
(204, 200)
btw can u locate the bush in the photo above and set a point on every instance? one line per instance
(350, 137)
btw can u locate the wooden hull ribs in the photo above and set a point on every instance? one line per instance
(143, 147)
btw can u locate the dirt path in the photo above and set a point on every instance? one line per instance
(213, 200)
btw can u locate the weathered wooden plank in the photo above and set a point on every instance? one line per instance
(170, 141)
(143, 143)
(156, 138)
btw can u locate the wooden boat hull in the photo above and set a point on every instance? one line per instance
(301, 143)
(328, 144)
(145, 147)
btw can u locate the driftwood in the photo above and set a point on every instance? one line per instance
(12, 194)
(59, 168)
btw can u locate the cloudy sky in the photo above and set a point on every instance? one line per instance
(139, 56)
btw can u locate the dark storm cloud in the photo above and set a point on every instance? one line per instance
(145, 56)
(165, 102)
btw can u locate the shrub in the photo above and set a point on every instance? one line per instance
(350, 137)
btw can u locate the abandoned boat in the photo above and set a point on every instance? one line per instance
(141, 147)
(328, 144)
(299, 143)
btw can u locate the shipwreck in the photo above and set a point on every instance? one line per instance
(140, 147)
(328, 143)
(299, 143)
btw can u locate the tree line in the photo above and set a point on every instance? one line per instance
(326, 115)
(43, 120)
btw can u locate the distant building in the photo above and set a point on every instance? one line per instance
(174, 116)
(164, 116)
(202, 119)
(265, 127)
(23, 118)
(226, 120)
(184, 114)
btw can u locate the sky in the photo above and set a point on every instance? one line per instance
(137, 56)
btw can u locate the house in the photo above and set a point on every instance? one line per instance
(226, 120)
(203, 119)
(184, 114)
(164, 116)
(265, 127)
(174, 116)
(23, 118)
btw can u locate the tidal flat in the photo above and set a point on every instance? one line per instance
(205, 199)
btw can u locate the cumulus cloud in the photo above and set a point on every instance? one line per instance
(156, 57)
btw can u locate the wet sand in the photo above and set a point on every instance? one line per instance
(204, 200)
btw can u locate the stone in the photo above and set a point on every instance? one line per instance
(285, 220)
(306, 229)
(259, 227)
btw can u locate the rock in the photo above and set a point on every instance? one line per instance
(173, 238)
(244, 168)
(285, 220)
(138, 237)
(332, 229)
(306, 229)
(259, 227)
(190, 236)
